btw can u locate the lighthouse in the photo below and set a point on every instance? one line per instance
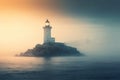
(47, 33)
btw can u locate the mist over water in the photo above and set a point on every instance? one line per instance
(99, 44)
(101, 61)
(91, 26)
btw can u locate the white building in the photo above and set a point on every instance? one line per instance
(47, 33)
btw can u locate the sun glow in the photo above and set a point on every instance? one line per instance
(21, 26)
(20, 32)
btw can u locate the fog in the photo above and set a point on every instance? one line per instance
(85, 26)
(100, 42)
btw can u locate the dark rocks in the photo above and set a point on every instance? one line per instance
(51, 50)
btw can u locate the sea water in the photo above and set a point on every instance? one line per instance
(58, 68)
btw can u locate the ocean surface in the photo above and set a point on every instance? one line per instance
(59, 68)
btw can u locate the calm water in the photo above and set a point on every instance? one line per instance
(58, 68)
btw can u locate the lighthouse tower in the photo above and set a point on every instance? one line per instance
(47, 33)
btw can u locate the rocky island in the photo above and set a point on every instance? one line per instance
(50, 48)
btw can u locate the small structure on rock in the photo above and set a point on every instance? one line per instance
(47, 33)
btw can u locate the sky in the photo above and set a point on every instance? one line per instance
(90, 25)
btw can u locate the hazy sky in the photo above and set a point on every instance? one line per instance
(87, 23)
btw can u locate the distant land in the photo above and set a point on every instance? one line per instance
(51, 50)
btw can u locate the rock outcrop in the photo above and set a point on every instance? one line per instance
(51, 50)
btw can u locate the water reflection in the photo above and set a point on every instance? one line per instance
(58, 68)
(21, 63)
(18, 64)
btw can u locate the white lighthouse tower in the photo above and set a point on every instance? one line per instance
(47, 33)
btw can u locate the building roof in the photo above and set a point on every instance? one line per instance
(47, 21)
